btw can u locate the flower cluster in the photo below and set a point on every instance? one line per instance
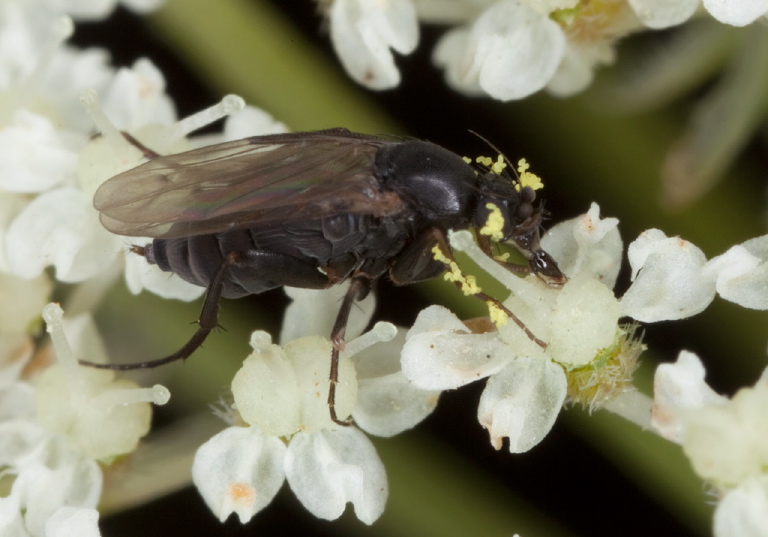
(281, 428)
(725, 439)
(589, 357)
(58, 422)
(507, 49)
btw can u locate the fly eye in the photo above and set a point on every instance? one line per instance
(524, 211)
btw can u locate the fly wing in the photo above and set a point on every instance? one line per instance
(260, 180)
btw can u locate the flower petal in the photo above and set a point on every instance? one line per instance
(313, 312)
(240, 470)
(663, 13)
(363, 33)
(587, 244)
(516, 50)
(741, 273)
(67, 521)
(59, 228)
(671, 284)
(743, 511)
(522, 403)
(736, 13)
(679, 386)
(327, 469)
(387, 402)
(440, 353)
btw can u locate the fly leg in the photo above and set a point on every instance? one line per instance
(403, 272)
(209, 318)
(484, 242)
(358, 288)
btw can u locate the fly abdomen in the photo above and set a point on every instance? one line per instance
(194, 259)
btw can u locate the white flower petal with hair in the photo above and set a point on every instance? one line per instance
(510, 51)
(387, 403)
(364, 33)
(738, 13)
(668, 279)
(522, 403)
(742, 273)
(59, 228)
(68, 521)
(659, 14)
(240, 470)
(330, 468)
(725, 439)
(677, 387)
(441, 353)
(743, 511)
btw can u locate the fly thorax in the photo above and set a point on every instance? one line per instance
(438, 184)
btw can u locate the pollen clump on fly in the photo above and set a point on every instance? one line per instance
(496, 167)
(468, 283)
(494, 225)
(527, 178)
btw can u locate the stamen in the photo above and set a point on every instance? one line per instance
(90, 100)
(227, 106)
(157, 394)
(380, 333)
(52, 315)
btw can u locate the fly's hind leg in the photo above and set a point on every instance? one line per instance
(209, 318)
(261, 266)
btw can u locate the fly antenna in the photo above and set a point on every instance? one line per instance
(506, 158)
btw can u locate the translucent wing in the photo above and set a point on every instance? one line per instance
(260, 180)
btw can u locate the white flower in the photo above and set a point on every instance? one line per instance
(57, 426)
(282, 392)
(674, 280)
(364, 33)
(725, 440)
(589, 358)
(510, 51)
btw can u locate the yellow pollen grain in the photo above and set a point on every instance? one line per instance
(499, 165)
(467, 160)
(468, 283)
(485, 161)
(496, 314)
(527, 178)
(494, 225)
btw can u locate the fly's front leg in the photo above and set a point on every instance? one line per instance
(450, 263)
(484, 242)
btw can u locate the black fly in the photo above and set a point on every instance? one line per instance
(312, 210)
